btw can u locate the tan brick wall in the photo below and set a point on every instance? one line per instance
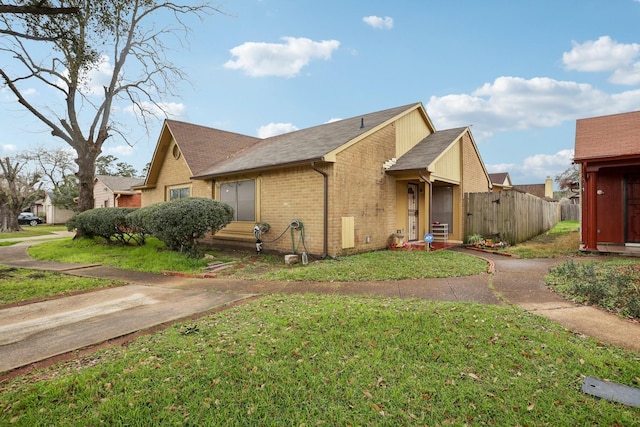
(296, 193)
(175, 173)
(360, 188)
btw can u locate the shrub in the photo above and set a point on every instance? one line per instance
(611, 285)
(179, 223)
(110, 223)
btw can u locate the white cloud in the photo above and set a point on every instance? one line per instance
(279, 59)
(94, 80)
(120, 150)
(273, 129)
(536, 168)
(161, 110)
(606, 54)
(514, 103)
(9, 148)
(385, 23)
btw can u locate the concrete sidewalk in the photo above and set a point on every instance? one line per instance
(37, 331)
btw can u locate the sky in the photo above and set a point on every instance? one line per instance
(518, 72)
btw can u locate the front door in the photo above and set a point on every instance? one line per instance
(632, 191)
(412, 199)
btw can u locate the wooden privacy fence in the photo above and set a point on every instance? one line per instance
(570, 211)
(510, 216)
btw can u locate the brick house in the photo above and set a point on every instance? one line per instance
(354, 184)
(607, 148)
(116, 191)
(500, 181)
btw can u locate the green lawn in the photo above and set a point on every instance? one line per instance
(39, 230)
(335, 360)
(19, 285)
(379, 265)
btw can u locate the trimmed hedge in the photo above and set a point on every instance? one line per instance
(179, 223)
(112, 224)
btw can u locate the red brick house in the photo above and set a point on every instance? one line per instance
(607, 148)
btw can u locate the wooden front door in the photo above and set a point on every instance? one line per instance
(412, 201)
(632, 196)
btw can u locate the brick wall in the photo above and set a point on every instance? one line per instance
(361, 189)
(129, 201)
(294, 193)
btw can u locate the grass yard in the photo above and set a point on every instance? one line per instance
(562, 240)
(612, 284)
(19, 285)
(379, 265)
(334, 360)
(39, 230)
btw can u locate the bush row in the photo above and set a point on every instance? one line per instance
(177, 223)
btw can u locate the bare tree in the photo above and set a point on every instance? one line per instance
(19, 188)
(55, 165)
(125, 38)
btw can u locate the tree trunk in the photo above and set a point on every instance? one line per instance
(8, 219)
(86, 176)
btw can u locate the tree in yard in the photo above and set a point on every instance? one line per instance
(569, 179)
(19, 188)
(123, 40)
(109, 165)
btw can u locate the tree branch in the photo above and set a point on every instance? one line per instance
(39, 10)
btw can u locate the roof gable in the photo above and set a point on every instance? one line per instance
(203, 146)
(500, 178)
(119, 183)
(615, 135)
(427, 151)
(318, 143)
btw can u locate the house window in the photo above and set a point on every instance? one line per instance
(241, 196)
(178, 193)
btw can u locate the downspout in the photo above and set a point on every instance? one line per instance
(325, 209)
(430, 184)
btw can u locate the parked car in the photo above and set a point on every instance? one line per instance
(27, 218)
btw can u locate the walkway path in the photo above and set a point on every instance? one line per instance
(33, 332)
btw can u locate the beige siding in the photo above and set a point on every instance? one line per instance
(103, 197)
(448, 167)
(410, 130)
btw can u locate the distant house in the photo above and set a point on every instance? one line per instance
(116, 191)
(54, 214)
(544, 191)
(607, 148)
(500, 181)
(354, 184)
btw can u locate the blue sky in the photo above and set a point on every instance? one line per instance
(518, 72)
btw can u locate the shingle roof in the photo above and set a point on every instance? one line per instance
(427, 150)
(608, 136)
(498, 177)
(202, 146)
(302, 146)
(120, 183)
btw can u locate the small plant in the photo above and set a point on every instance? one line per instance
(478, 241)
(475, 239)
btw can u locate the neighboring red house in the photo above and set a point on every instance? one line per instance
(116, 191)
(608, 152)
